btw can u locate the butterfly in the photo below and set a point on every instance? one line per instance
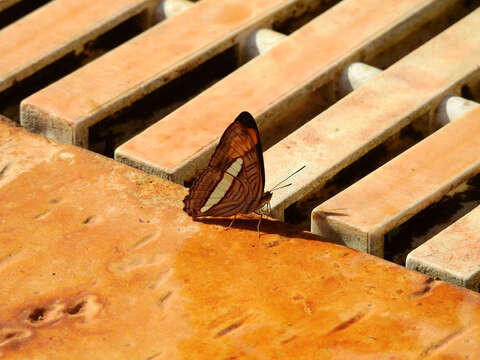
(233, 182)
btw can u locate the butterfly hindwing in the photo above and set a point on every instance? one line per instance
(234, 179)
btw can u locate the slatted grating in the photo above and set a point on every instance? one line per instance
(377, 98)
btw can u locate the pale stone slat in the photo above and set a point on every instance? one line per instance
(452, 255)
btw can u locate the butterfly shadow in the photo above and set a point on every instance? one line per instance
(268, 226)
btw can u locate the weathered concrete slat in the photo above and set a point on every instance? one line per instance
(56, 29)
(411, 88)
(452, 255)
(273, 85)
(111, 267)
(65, 109)
(395, 192)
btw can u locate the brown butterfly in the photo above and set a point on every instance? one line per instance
(233, 182)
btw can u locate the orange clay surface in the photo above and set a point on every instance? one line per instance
(99, 261)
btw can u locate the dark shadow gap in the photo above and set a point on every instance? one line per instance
(466, 93)
(267, 226)
(302, 16)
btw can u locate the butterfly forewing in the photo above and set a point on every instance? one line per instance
(234, 179)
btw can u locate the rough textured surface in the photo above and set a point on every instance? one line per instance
(141, 65)
(60, 27)
(99, 261)
(410, 88)
(272, 86)
(403, 187)
(452, 255)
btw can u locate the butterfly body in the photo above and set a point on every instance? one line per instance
(233, 182)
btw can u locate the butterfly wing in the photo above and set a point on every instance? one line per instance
(234, 179)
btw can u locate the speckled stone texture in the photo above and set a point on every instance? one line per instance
(99, 261)
(453, 254)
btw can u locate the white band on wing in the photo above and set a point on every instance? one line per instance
(222, 187)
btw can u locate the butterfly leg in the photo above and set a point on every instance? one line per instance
(231, 223)
(258, 226)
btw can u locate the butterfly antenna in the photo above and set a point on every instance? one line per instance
(281, 187)
(288, 177)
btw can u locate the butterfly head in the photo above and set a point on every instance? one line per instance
(266, 197)
(265, 200)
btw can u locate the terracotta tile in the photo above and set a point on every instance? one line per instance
(453, 254)
(65, 109)
(56, 29)
(411, 88)
(270, 85)
(99, 261)
(395, 192)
